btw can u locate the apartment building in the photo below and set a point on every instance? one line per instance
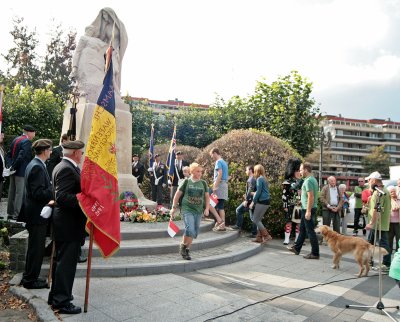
(163, 107)
(354, 139)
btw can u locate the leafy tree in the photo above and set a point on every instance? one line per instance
(58, 62)
(22, 58)
(377, 160)
(39, 107)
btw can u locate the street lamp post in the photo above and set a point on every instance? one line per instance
(321, 151)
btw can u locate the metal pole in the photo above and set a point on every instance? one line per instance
(321, 151)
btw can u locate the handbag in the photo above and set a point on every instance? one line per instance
(296, 214)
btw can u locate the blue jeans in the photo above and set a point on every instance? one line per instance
(192, 224)
(383, 242)
(307, 227)
(239, 217)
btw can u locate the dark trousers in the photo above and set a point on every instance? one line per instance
(35, 253)
(394, 231)
(239, 218)
(157, 193)
(330, 216)
(357, 215)
(307, 227)
(383, 242)
(64, 269)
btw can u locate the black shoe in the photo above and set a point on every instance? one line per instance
(188, 254)
(35, 285)
(293, 250)
(311, 256)
(69, 309)
(182, 250)
(82, 259)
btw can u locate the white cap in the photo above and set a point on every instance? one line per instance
(374, 175)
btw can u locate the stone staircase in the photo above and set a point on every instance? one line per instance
(147, 249)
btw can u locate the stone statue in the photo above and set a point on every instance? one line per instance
(88, 61)
(88, 71)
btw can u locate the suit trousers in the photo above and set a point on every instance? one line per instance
(35, 253)
(64, 269)
(330, 216)
(157, 193)
(15, 194)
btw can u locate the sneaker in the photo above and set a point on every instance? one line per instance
(355, 233)
(293, 250)
(234, 227)
(384, 268)
(311, 256)
(188, 254)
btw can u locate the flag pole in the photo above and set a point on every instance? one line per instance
(89, 262)
(89, 266)
(1, 105)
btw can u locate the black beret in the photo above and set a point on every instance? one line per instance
(156, 155)
(73, 145)
(135, 155)
(179, 153)
(42, 144)
(29, 128)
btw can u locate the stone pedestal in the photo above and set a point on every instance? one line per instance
(85, 109)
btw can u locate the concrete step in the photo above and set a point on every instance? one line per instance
(157, 229)
(164, 245)
(121, 266)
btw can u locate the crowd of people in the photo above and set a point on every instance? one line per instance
(43, 193)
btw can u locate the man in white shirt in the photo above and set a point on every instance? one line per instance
(331, 204)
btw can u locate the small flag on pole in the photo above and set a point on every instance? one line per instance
(173, 229)
(171, 157)
(151, 148)
(213, 200)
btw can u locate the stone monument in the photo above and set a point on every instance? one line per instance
(88, 71)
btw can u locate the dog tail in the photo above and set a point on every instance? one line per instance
(374, 251)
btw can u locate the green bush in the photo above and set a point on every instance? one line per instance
(250, 147)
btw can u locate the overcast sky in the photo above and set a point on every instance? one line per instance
(193, 50)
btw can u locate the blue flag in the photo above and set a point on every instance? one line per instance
(151, 148)
(171, 156)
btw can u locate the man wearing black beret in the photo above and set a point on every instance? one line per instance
(17, 159)
(137, 169)
(38, 194)
(68, 227)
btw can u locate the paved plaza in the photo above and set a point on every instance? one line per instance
(273, 285)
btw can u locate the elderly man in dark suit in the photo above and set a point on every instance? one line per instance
(38, 193)
(69, 227)
(17, 159)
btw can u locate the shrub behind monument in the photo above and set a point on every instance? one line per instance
(250, 147)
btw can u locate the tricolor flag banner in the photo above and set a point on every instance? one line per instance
(171, 157)
(213, 200)
(151, 148)
(99, 181)
(173, 229)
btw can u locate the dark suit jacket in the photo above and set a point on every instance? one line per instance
(22, 155)
(180, 172)
(68, 218)
(161, 172)
(138, 171)
(38, 192)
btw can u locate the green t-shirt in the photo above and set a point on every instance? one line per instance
(359, 190)
(386, 210)
(309, 184)
(193, 199)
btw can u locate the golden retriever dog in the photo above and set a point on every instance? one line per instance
(340, 245)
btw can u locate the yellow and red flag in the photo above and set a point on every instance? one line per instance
(99, 180)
